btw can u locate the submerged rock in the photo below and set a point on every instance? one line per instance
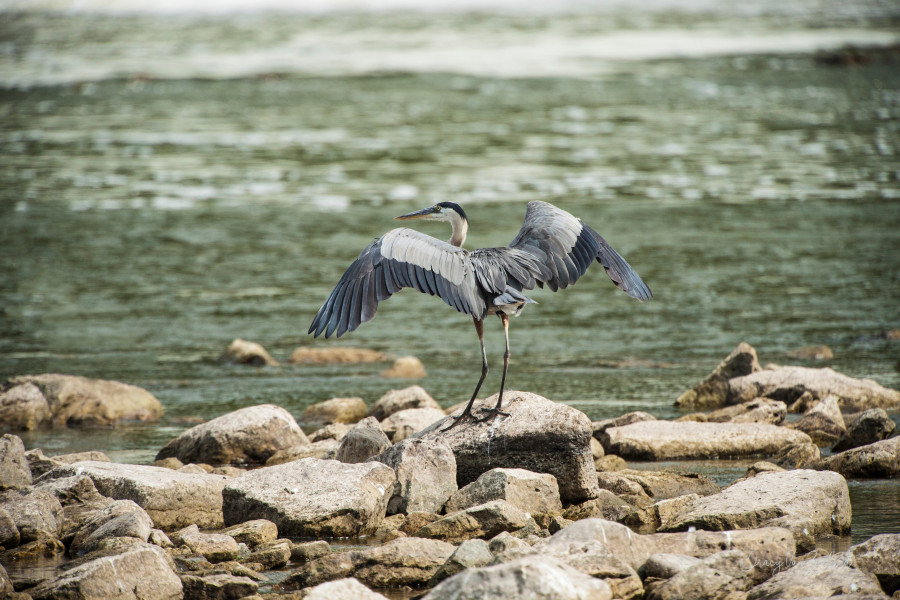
(809, 503)
(712, 392)
(394, 401)
(539, 435)
(312, 497)
(671, 440)
(242, 352)
(868, 427)
(426, 475)
(78, 401)
(336, 410)
(246, 436)
(324, 356)
(881, 459)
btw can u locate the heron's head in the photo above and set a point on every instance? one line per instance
(442, 211)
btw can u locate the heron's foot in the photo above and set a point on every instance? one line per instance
(487, 414)
(465, 416)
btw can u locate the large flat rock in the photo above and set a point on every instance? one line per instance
(538, 435)
(312, 497)
(672, 440)
(173, 499)
(806, 502)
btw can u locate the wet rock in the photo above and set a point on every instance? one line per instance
(341, 589)
(37, 513)
(23, 408)
(880, 556)
(870, 426)
(325, 356)
(404, 423)
(36, 549)
(529, 577)
(246, 436)
(539, 435)
(823, 423)
(242, 352)
(14, 470)
(670, 440)
(714, 577)
(271, 555)
(533, 493)
(336, 410)
(712, 392)
(362, 442)
(319, 449)
(219, 586)
(141, 572)
(598, 427)
(607, 506)
(426, 475)
(312, 497)
(404, 561)
(881, 459)
(215, 547)
(824, 577)
(812, 353)
(253, 533)
(172, 499)
(309, 550)
(809, 503)
(9, 533)
(394, 401)
(334, 431)
(484, 520)
(469, 554)
(78, 401)
(797, 455)
(759, 410)
(121, 518)
(789, 383)
(405, 367)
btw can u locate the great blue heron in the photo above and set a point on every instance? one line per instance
(552, 248)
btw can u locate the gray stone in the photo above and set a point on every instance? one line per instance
(23, 408)
(140, 573)
(797, 455)
(670, 440)
(403, 561)
(606, 506)
(309, 550)
(271, 555)
(341, 589)
(37, 513)
(484, 520)
(809, 503)
(77, 401)
(121, 518)
(539, 435)
(336, 410)
(658, 485)
(789, 383)
(870, 426)
(172, 499)
(426, 475)
(217, 586)
(531, 577)
(253, 533)
(159, 538)
(396, 400)
(506, 542)
(823, 577)
(9, 533)
(362, 442)
(404, 423)
(246, 436)
(881, 459)
(334, 431)
(598, 427)
(39, 463)
(759, 410)
(712, 578)
(471, 553)
(312, 497)
(664, 565)
(880, 556)
(14, 470)
(317, 449)
(215, 547)
(823, 422)
(713, 391)
(242, 352)
(534, 493)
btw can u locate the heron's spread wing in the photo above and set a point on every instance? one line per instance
(401, 258)
(566, 247)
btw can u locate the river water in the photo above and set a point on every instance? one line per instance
(172, 180)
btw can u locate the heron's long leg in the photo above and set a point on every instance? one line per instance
(479, 328)
(490, 412)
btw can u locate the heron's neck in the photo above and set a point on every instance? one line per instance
(460, 227)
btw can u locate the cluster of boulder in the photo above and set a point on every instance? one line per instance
(536, 502)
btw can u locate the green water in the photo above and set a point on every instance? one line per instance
(146, 222)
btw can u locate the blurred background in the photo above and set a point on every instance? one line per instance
(172, 178)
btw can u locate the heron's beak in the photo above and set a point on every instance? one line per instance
(417, 214)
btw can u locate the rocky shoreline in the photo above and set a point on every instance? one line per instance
(539, 503)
